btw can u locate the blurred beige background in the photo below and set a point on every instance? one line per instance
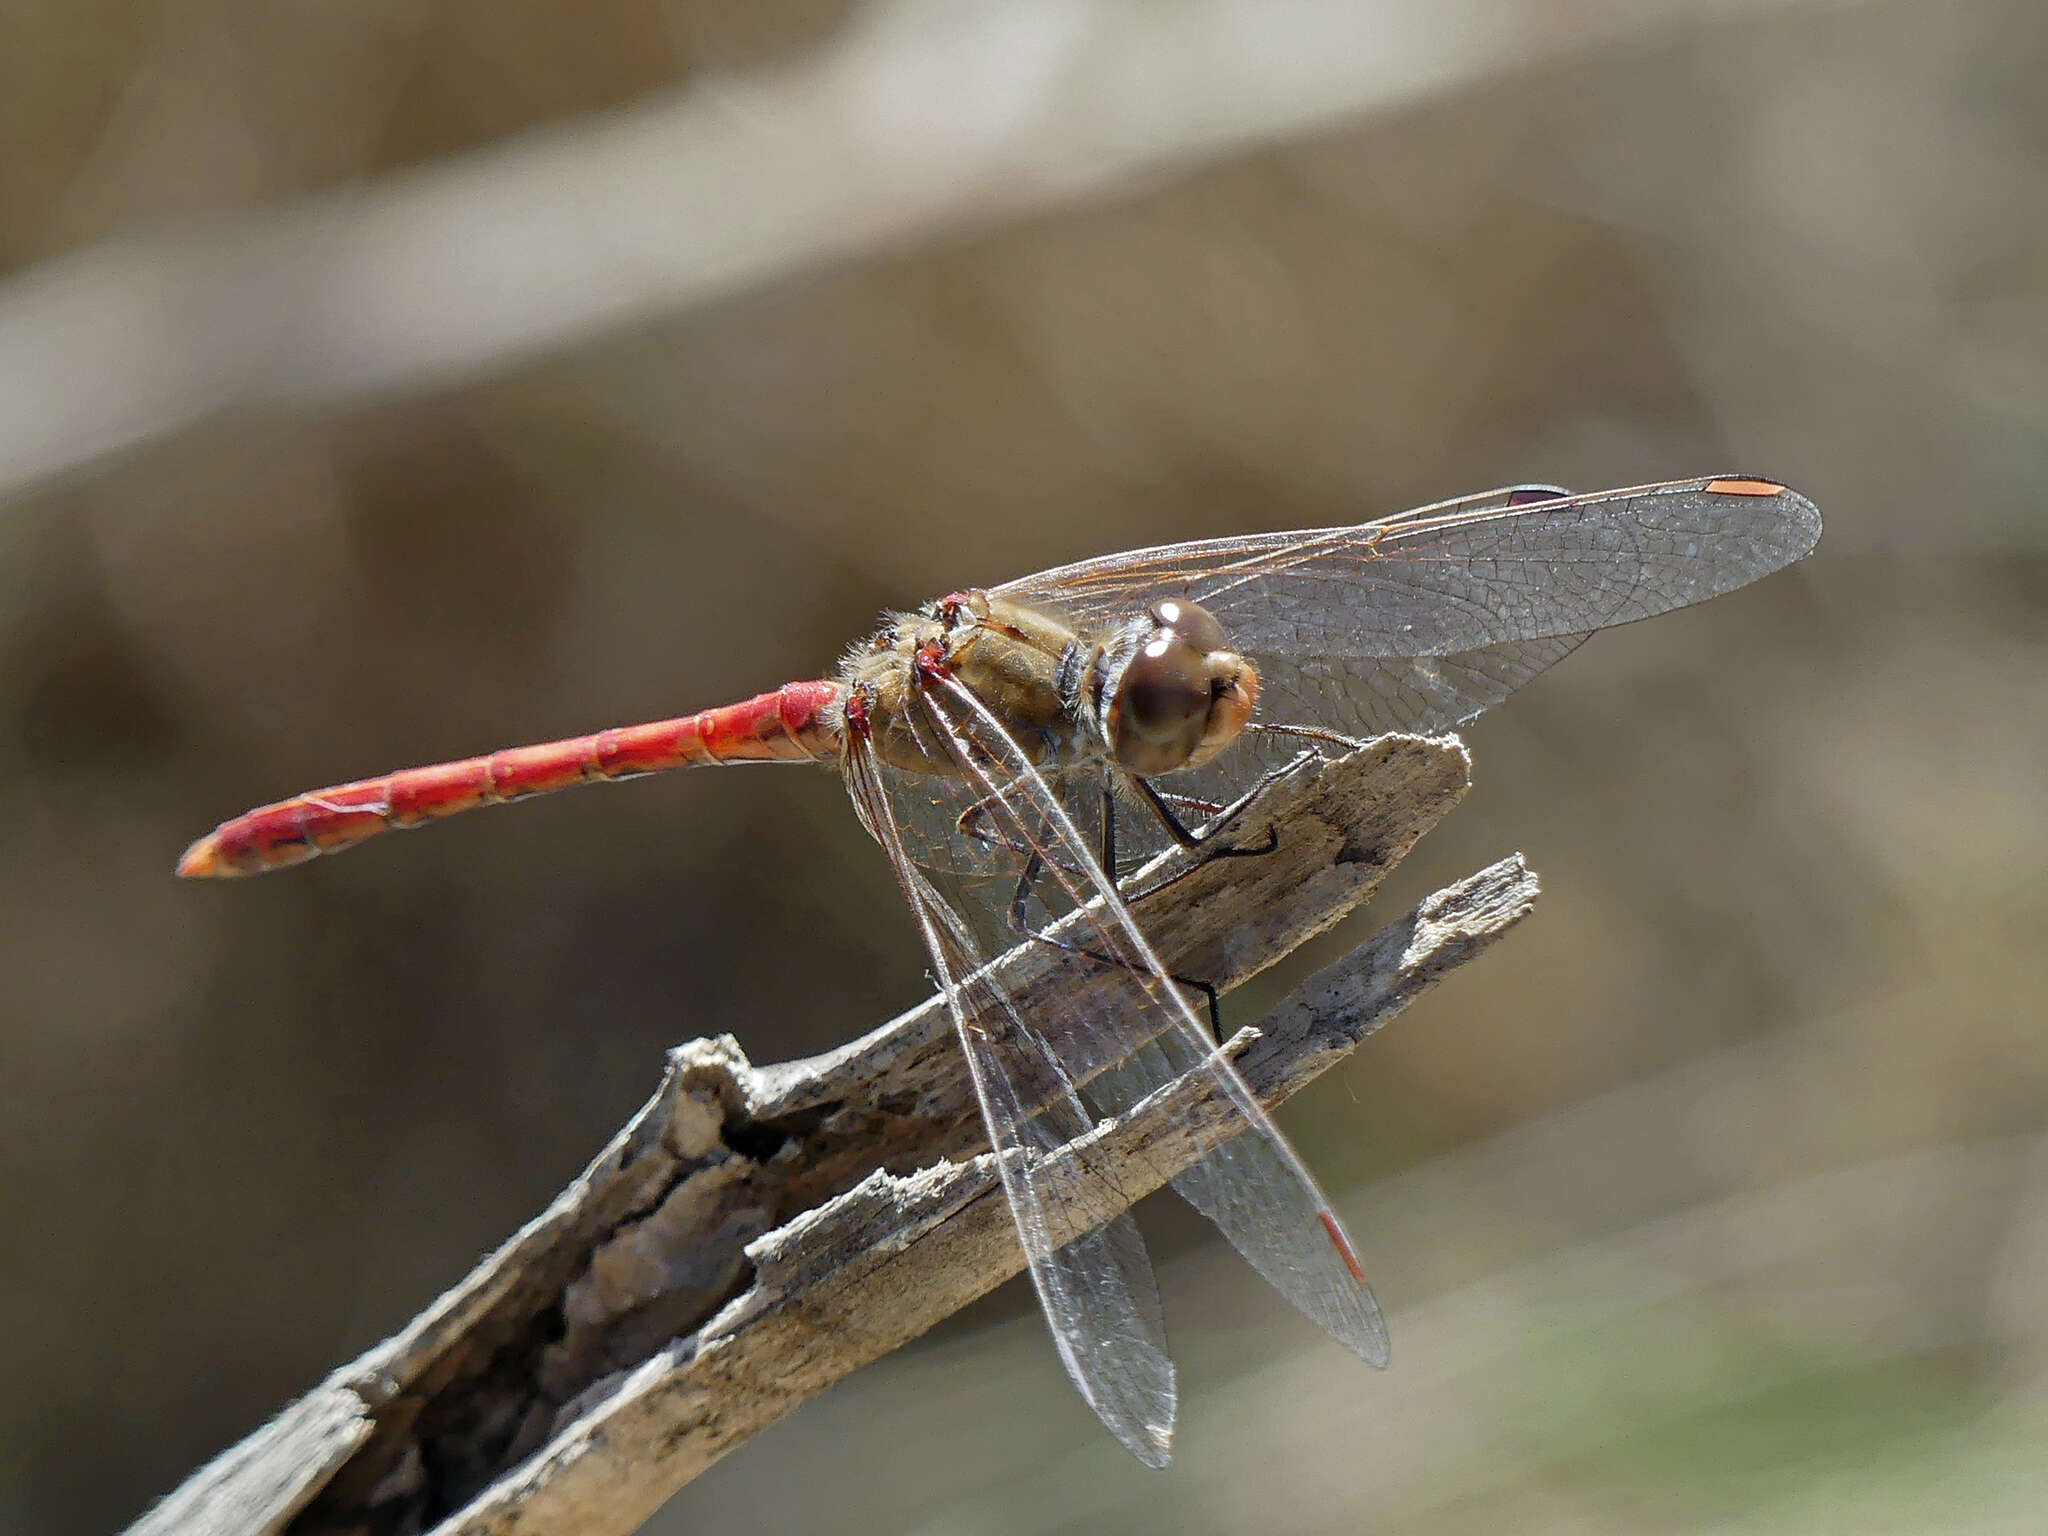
(367, 398)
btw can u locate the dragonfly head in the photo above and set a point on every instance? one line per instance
(1176, 695)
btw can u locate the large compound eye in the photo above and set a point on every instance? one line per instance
(1162, 705)
(1191, 621)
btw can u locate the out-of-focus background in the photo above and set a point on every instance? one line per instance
(389, 382)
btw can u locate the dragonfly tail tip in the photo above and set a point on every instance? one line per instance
(202, 861)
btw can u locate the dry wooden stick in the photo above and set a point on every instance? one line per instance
(755, 1234)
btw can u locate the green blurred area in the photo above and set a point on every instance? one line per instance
(1716, 1200)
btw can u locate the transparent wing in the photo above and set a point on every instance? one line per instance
(1095, 1285)
(1421, 620)
(944, 831)
(1122, 1029)
(978, 863)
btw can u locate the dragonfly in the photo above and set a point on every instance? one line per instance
(1018, 750)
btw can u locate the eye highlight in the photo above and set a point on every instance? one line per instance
(1191, 621)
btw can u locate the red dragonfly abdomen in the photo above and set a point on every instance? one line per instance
(798, 722)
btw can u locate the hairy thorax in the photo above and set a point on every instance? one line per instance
(1156, 692)
(1030, 669)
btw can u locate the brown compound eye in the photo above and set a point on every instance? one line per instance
(1191, 621)
(1183, 697)
(1162, 705)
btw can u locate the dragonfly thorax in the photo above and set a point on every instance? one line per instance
(1153, 694)
(1027, 668)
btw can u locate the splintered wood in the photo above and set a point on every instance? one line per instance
(755, 1234)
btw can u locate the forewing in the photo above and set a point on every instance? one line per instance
(1124, 1030)
(1420, 620)
(1096, 1288)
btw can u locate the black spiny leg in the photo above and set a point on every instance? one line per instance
(1108, 833)
(1313, 733)
(1020, 921)
(1195, 841)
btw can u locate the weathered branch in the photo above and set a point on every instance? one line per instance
(755, 1234)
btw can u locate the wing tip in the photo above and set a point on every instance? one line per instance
(1372, 1345)
(1154, 1448)
(1802, 527)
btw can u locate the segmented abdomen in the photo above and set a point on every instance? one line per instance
(798, 722)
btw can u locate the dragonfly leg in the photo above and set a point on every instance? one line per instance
(1020, 924)
(1108, 832)
(1208, 810)
(1162, 804)
(1196, 840)
(1313, 733)
(971, 823)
